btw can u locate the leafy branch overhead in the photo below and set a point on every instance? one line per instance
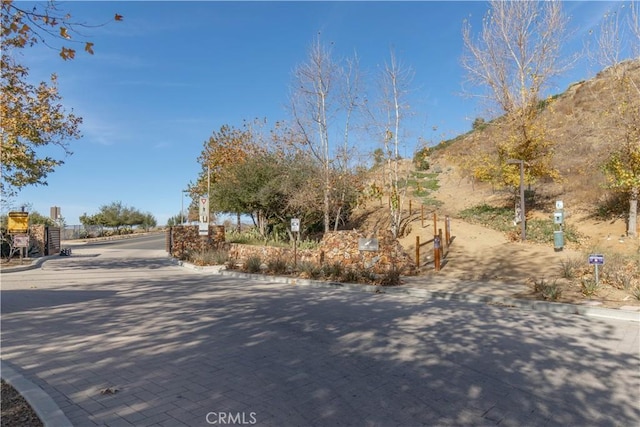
(44, 24)
(33, 117)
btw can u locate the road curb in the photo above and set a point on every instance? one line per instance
(533, 305)
(34, 264)
(43, 405)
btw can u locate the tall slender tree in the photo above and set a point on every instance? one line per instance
(514, 59)
(618, 50)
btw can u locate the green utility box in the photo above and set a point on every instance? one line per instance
(558, 240)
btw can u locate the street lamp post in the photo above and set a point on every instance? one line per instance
(182, 206)
(522, 210)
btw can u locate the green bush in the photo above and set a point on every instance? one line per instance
(209, 257)
(549, 291)
(310, 269)
(277, 266)
(334, 270)
(351, 276)
(253, 264)
(570, 267)
(589, 287)
(421, 159)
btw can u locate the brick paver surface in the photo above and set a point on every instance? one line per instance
(125, 339)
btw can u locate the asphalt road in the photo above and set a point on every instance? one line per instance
(121, 336)
(146, 242)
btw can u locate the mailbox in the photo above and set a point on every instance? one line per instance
(558, 218)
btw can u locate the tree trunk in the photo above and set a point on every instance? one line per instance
(632, 230)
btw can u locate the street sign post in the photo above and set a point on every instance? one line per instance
(596, 260)
(18, 222)
(203, 228)
(295, 228)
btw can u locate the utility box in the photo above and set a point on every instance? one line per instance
(558, 217)
(558, 240)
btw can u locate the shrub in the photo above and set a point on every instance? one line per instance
(277, 266)
(635, 291)
(570, 267)
(549, 291)
(589, 287)
(209, 257)
(390, 278)
(351, 276)
(253, 264)
(311, 270)
(334, 270)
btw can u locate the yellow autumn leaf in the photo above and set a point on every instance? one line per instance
(64, 34)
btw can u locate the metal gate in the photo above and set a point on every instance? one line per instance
(52, 245)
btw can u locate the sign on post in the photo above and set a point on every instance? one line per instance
(295, 225)
(21, 241)
(18, 222)
(596, 259)
(204, 215)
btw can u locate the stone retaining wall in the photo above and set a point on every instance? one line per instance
(186, 238)
(336, 247)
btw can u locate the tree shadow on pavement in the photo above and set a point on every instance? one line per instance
(183, 344)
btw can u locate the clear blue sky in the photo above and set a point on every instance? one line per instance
(162, 80)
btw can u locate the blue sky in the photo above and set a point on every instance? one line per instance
(167, 76)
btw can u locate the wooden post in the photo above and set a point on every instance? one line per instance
(436, 252)
(418, 251)
(447, 230)
(422, 215)
(442, 243)
(435, 224)
(410, 207)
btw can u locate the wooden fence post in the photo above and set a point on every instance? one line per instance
(447, 230)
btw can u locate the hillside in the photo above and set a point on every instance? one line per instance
(583, 135)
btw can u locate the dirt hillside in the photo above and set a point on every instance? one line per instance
(480, 253)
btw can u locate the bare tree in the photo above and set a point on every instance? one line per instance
(322, 90)
(386, 123)
(312, 104)
(515, 58)
(618, 39)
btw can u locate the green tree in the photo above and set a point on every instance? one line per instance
(116, 216)
(36, 218)
(148, 221)
(33, 117)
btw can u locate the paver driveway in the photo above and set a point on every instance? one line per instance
(183, 347)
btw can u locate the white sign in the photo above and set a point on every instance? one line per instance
(367, 244)
(295, 225)
(203, 228)
(204, 210)
(559, 205)
(596, 259)
(21, 241)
